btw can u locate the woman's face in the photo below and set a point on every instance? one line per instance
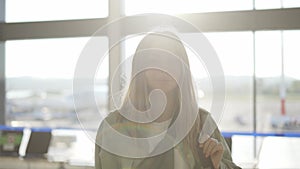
(164, 77)
(158, 79)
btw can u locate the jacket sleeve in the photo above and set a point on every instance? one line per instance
(227, 159)
(103, 158)
(97, 157)
(226, 162)
(98, 164)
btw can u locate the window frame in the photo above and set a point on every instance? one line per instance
(252, 20)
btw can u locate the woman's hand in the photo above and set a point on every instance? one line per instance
(214, 149)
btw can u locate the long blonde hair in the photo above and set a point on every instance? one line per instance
(138, 93)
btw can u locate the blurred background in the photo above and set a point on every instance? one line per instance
(257, 42)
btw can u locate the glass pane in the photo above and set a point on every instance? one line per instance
(291, 54)
(291, 3)
(39, 81)
(37, 10)
(268, 71)
(184, 6)
(275, 4)
(267, 4)
(291, 43)
(278, 92)
(237, 62)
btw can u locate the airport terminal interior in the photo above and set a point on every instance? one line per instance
(52, 104)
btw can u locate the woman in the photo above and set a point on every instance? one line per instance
(160, 105)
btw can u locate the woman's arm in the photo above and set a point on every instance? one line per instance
(226, 161)
(217, 144)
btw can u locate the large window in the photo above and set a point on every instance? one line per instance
(235, 50)
(277, 79)
(39, 80)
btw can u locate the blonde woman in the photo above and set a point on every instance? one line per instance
(160, 92)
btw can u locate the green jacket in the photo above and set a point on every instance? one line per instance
(107, 160)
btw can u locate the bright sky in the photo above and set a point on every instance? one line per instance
(184, 6)
(57, 57)
(48, 58)
(42, 10)
(37, 10)
(235, 51)
(195, 6)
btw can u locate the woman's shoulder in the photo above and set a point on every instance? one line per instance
(110, 120)
(202, 112)
(205, 117)
(112, 117)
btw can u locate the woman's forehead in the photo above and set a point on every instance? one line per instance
(158, 55)
(168, 64)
